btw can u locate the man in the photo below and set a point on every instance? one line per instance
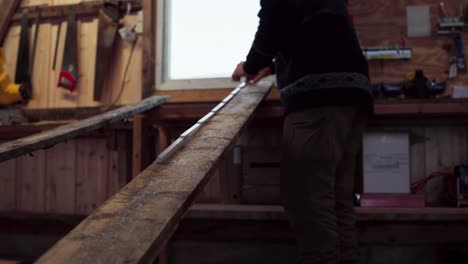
(323, 80)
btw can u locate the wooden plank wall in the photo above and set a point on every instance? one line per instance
(45, 92)
(76, 177)
(69, 178)
(383, 22)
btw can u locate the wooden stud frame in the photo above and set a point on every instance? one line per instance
(149, 47)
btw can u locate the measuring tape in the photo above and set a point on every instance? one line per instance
(189, 133)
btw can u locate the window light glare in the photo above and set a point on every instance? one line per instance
(208, 38)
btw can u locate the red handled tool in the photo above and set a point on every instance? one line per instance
(68, 74)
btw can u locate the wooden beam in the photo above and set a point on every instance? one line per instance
(12, 132)
(382, 107)
(82, 9)
(133, 226)
(456, 109)
(8, 8)
(428, 108)
(149, 47)
(61, 114)
(445, 112)
(49, 138)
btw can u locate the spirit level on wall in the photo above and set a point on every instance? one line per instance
(388, 53)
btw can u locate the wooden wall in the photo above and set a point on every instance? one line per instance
(383, 22)
(45, 91)
(69, 178)
(68, 169)
(78, 176)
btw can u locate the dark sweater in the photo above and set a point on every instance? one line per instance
(318, 60)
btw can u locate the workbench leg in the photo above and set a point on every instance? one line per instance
(142, 147)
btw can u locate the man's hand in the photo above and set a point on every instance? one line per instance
(239, 73)
(261, 74)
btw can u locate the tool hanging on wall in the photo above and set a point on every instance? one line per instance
(22, 61)
(69, 72)
(461, 63)
(107, 32)
(453, 27)
(25, 63)
(58, 38)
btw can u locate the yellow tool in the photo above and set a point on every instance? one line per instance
(9, 92)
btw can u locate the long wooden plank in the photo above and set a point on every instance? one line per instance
(134, 225)
(6, 13)
(60, 114)
(49, 138)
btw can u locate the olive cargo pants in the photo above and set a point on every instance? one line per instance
(319, 160)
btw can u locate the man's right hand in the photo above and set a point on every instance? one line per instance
(261, 74)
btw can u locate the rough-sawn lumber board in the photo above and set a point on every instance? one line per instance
(133, 225)
(51, 137)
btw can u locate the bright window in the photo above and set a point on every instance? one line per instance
(205, 39)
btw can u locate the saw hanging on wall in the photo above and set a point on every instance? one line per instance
(107, 32)
(68, 74)
(25, 62)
